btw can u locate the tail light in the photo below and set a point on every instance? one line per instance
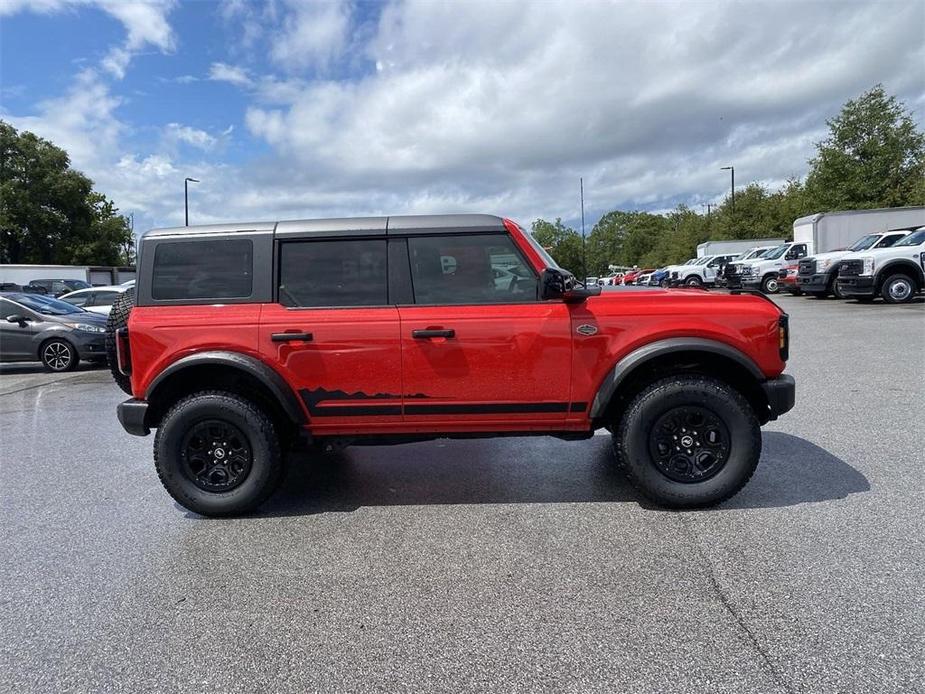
(783, 336)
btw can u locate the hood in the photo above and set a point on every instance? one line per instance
(831, 255)
(85, 317)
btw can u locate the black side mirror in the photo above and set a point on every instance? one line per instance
(17, 318)
(561, 284)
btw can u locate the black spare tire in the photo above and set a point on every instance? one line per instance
(118, 318)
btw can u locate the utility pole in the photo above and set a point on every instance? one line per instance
(732, 185)
(584, 252)
(186, 182)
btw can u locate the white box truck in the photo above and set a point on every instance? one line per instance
(734, 246)
(832, 231)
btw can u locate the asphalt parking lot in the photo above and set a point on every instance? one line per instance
(495, 565)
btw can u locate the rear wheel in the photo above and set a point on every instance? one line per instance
(58, 355)
(898, 289)
(770, 285)
(688, 441)
(218, 454)
(118, 318)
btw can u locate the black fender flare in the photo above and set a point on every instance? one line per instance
(242, 362)
(641, 355)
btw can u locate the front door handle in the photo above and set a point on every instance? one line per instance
(289, 337)
(424, 334)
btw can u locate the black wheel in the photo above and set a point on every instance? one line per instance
(663, 283)
(898, 289)
(770, 285)
(58, 355)
(688, 441)
(218, 454)
(836, 292)
(693, 281)
(118, 318)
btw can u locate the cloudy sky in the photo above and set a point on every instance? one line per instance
(293, 109)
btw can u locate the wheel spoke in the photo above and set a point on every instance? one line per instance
(217, 455)
(689, 444)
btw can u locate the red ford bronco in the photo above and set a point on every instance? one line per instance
(242, 340)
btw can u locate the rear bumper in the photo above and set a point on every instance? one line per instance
(781, 394)
(856, 286)
(132, 414)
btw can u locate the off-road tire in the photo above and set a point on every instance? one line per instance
(898, 289)
(58, 355)
(632, 440)
(770, 284)
(266, 467)
(118, 318)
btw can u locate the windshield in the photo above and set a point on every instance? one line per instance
(45, 305)
(775, 253)
(863, 243)
(913, 239)
(547, 259)
(704, 261)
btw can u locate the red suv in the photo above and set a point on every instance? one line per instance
(242, 340)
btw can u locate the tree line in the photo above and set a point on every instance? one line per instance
(873, 156)
(49, 212)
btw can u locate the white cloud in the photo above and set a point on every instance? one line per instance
(221, 72)
(314, 32)
(200, 139)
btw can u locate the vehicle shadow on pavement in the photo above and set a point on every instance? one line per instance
(533, 470)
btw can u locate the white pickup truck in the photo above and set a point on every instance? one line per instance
(764, 273)
(896, 273)
(817, 273)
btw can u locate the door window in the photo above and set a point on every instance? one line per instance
(8, 309)
(470, 269)
(79, 299)
(888, 241)
(342, 272)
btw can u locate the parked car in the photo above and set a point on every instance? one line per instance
(731, 276)
(56, 287)
(34, 327)
(818, 273)
(896, 273)
(764, 273)
(391, 330)
(612, 280)
(95, 299)
(701, 273)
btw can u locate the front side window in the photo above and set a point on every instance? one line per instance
(104, 298)
(333, 273)
(470, 269)
(888, 241)
(203, 270)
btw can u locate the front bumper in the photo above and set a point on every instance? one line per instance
(781, 394)
(132, 415)
(89, 345)
(856, 286)
(813, 284)
(750, 281)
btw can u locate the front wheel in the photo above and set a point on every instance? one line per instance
(688, 441)
(898, 289)
(59, 355)
(770, 285)
(693, 281)
(218, 454)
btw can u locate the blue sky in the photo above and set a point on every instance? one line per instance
(289, 108)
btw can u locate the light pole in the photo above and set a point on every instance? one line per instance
(732, 186)
(186, 182)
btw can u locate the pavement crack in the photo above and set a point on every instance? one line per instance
(727, 603)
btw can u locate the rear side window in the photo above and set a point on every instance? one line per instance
(104, 298)
(77, 299)
(203, 270)
(333, 273)
(469, 269)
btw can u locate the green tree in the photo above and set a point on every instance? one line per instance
(874, 156)
(563, 244)
(49, 212)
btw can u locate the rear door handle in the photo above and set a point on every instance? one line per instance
(424, 334)
(289, 337)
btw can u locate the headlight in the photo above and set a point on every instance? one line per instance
(823, 265)
(868, 266)
(86, 327)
